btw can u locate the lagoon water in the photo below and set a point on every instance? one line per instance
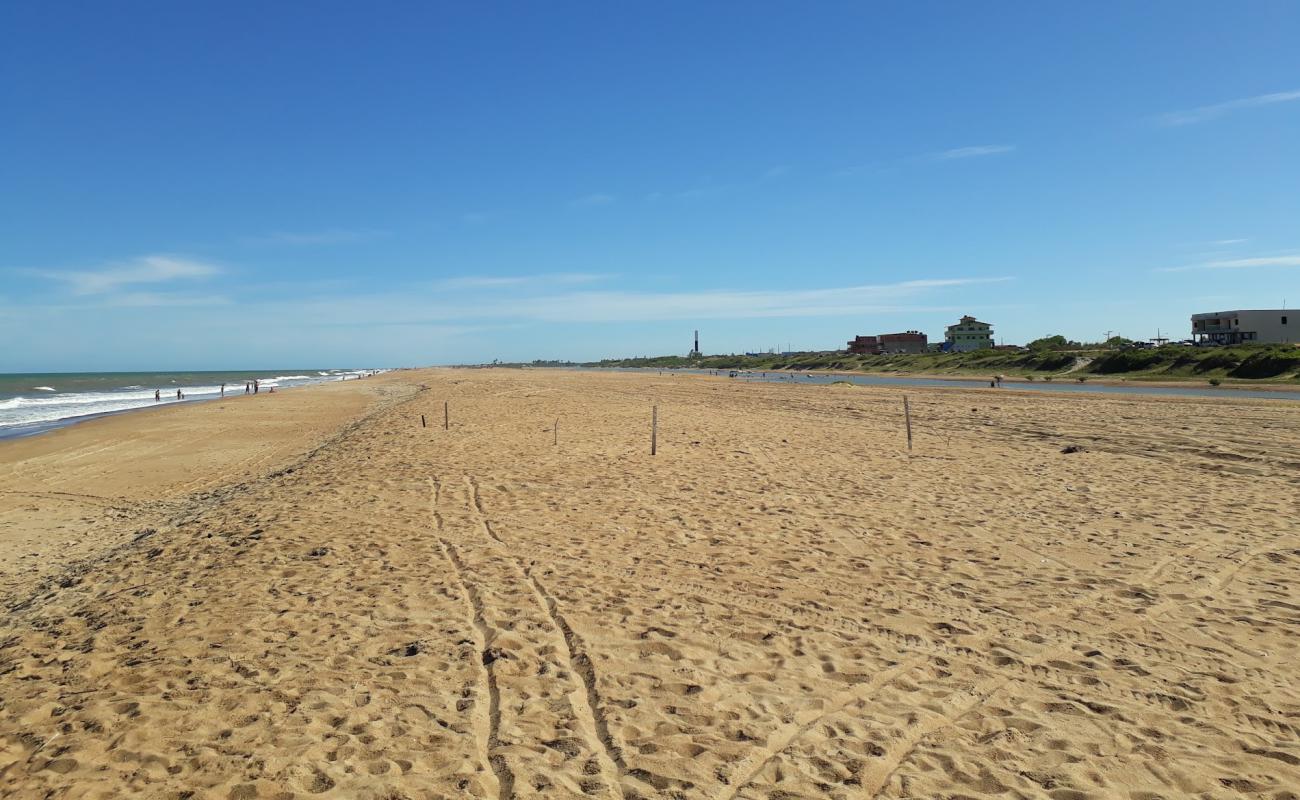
(35, 402)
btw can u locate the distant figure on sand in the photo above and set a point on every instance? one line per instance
(157, 395)
(179, 396)
(247, 388)
(257, 386)
(223, 390)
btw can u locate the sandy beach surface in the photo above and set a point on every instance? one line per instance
(310, 594)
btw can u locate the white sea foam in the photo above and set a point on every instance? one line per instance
(28, 410)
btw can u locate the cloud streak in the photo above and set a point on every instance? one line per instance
(1207, 113)
(1239, 263)
(152, 269)
(510, 281)
(624, 306)
(977, 151)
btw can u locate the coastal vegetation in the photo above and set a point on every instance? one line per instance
(1042, 360)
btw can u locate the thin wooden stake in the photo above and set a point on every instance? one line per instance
(654, 429)
(555, 429)
(446, 416)
(422, 422)
(907, 415)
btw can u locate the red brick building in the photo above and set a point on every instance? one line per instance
(908, 342)
(864, 345)
(887, 343)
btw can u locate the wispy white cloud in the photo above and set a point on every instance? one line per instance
(504, 281)
(1206, 113)
(144, 270)
(1239, 263)
(975, 151)
(593, 200)
(164, 300)
(888, 164)
(549, 306)
(731, 304)
(315, 238)
(1226, 242)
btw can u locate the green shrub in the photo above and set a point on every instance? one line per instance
(1268, 364)
(1127, 361)
(1215, 381)
(1053, 362)
(1048, 342)
(1221, 359)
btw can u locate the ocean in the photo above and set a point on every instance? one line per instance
(35, 402)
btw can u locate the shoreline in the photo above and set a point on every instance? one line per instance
(27, 430)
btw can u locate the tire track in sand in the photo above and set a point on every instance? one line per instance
(476, 502)
(488, 726)
(585, 695)
(587, 702)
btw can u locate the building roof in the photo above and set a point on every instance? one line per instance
(1216, 314)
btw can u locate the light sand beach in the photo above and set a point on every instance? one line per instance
(310, 594)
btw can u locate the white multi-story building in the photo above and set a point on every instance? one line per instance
(968, 334)
(1246, 326)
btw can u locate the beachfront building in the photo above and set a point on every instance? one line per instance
(889, 343)
(864, 345)
(1246, 326)
(968, 334)
(906, 342)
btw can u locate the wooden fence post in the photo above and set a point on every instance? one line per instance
(654, 429)
(446, 416)
(907, 416)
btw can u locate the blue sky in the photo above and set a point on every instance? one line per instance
(241, 185)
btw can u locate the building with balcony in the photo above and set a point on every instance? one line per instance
(968, 334)
(1246, 326)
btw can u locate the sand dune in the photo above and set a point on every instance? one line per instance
(315, 596)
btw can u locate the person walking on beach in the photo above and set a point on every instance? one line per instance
(257, 386)
(246, 388)
(179, 396)
(223, 390)
(157, 395)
